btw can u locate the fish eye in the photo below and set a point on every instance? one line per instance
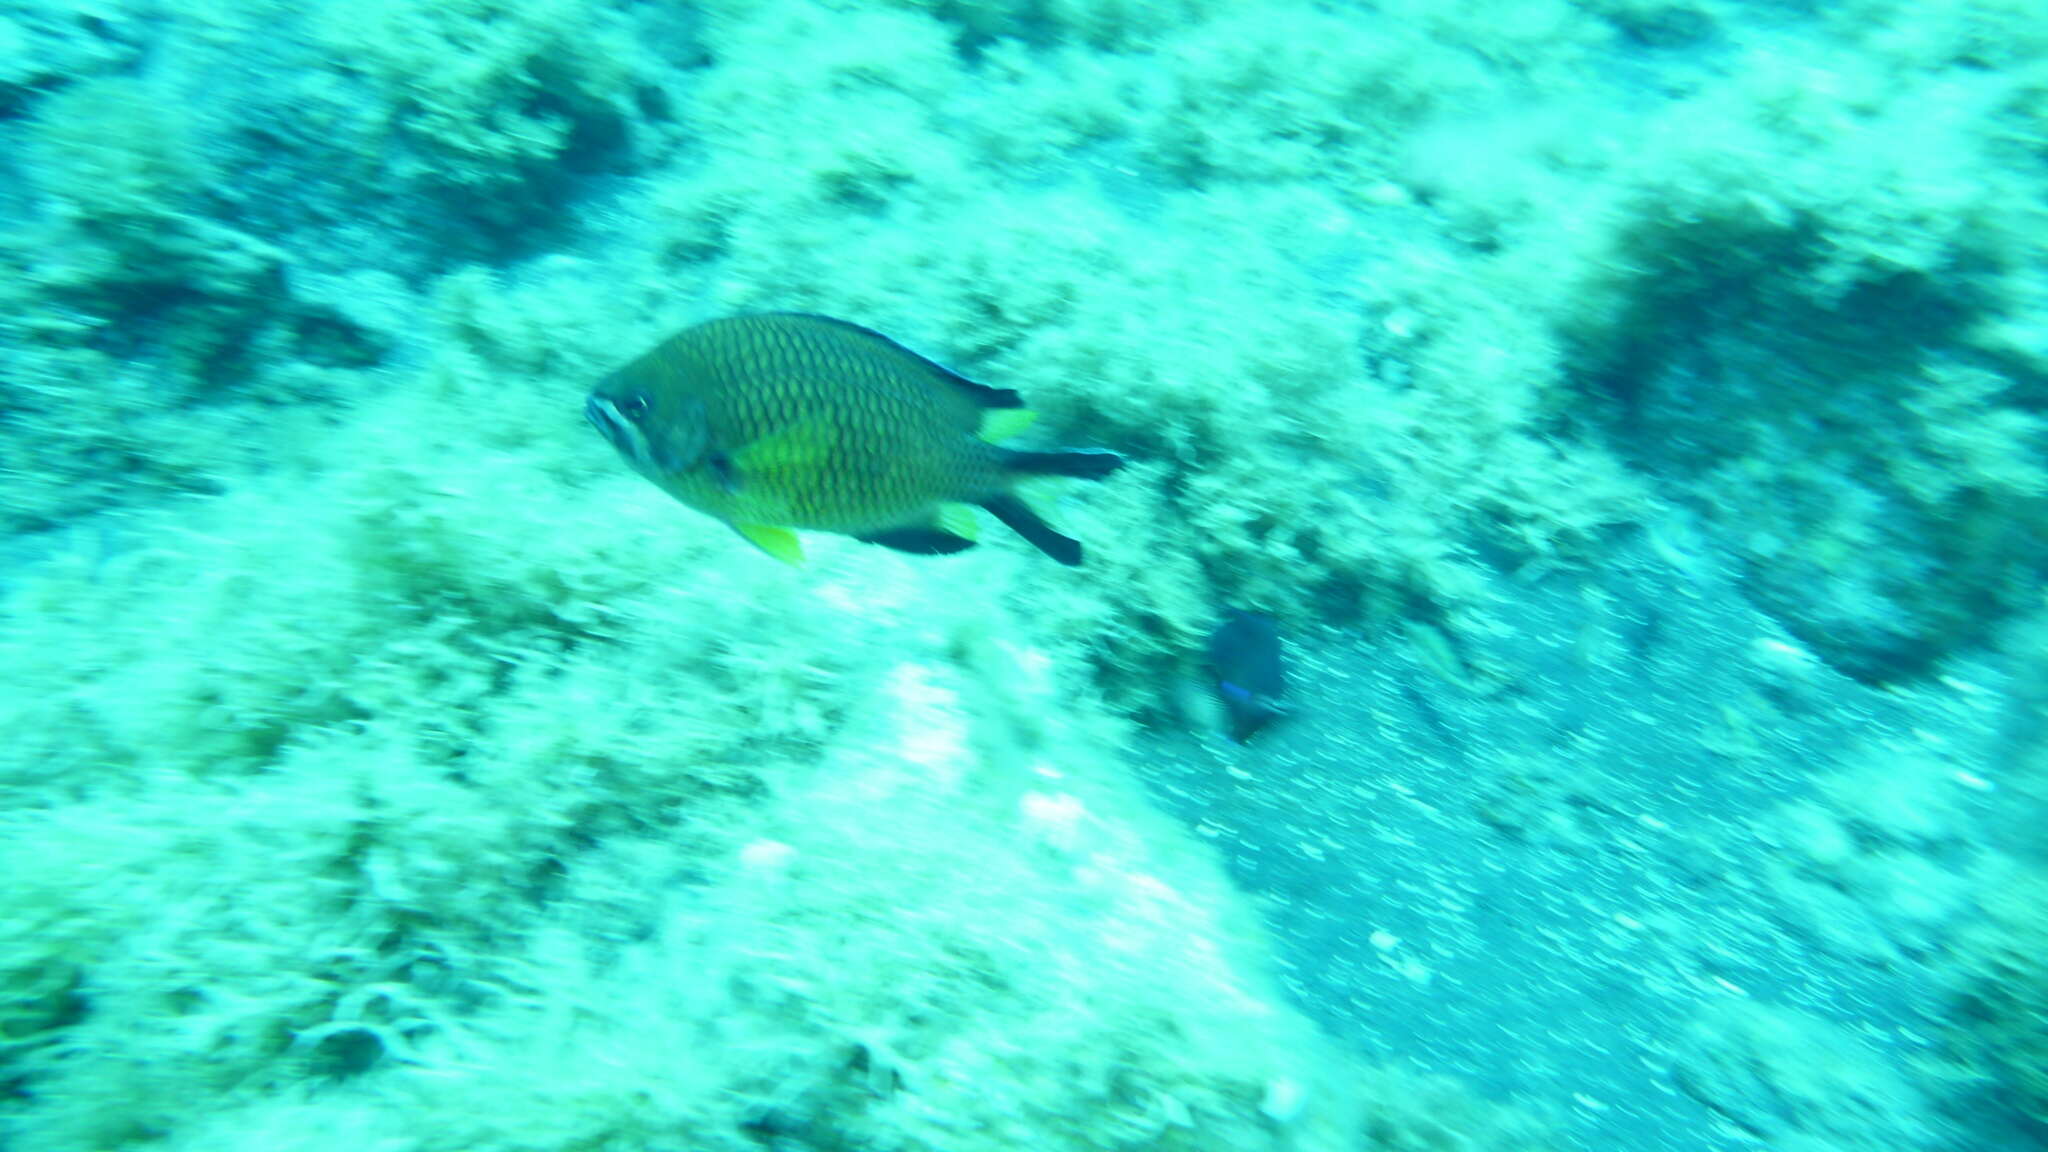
(633, 405)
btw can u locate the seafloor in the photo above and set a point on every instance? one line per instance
(1632, 411)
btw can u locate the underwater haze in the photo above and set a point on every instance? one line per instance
(1631, 417)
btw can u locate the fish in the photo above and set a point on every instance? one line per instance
(775, 422)
(1244, 656)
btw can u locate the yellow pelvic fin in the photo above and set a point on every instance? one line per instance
(958, 520)
(1002, 423)
(780, 543)
(804, 445)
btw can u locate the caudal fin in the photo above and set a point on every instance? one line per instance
(1081, 465)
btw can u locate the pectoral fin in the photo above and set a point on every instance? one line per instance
(800, 448)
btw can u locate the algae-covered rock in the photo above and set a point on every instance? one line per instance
(1787, 323)
(150, 339)
(1999, 976)
(1798, 1081)
(47, 44)
(492, 111)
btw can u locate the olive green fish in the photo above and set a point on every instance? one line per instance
(780, 421)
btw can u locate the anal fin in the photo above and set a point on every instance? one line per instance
(920, 541)
(953, 529)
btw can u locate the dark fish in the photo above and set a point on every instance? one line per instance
(781, 420)
(1245, 656)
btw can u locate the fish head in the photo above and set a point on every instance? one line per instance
(661, 435)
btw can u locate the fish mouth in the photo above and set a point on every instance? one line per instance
(656, 448)
(616, 429)
(604, 418)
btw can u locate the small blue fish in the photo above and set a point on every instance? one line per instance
(1244, 654)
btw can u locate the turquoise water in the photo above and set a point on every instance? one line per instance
(1631, 414)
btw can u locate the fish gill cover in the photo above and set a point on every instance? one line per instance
(1631, 412)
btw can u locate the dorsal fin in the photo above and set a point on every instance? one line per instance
(981, 395)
